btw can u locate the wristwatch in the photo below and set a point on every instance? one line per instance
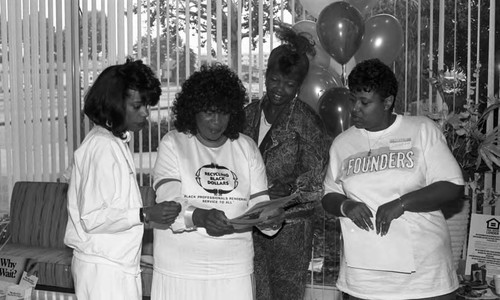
(142, 216)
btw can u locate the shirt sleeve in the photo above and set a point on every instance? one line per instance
(332, 183)
(258, 188)
(102, 195)
(168, 185)
(440, 162)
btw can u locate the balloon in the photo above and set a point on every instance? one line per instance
(308, 29)
(314, 7)
(383, 39)
(335, 110)
(364, 6)
(317, 81)
(340, 29)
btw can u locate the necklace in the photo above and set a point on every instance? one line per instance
(370, 146)
(392, 119)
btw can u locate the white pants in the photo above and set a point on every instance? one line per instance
(166, 287)
(104, 282)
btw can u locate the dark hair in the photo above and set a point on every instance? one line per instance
(373, 75)
(291, 56)
(213, 88)
(105, 101)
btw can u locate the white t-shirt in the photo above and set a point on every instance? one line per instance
(409, 155)
(230, 178)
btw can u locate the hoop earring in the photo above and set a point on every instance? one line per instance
(109, 124)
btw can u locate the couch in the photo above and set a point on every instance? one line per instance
(38, 217)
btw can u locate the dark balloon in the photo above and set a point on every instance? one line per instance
(340, 28)
(335, 110)
(318, 80)
(383, 39)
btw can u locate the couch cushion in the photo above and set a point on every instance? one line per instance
(53, 265)
(38, 214)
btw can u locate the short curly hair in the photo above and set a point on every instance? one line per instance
(373, 75)
(105, 101)
(214, 87)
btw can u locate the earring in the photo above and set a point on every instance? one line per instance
(109, 124)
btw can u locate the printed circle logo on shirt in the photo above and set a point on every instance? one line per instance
(216, 179)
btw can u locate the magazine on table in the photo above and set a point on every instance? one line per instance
(260, 212)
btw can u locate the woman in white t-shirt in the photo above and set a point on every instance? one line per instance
(216, 174)
(388, 178)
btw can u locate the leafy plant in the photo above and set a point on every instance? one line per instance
(474, 144)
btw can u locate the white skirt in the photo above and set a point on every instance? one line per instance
(166, 287)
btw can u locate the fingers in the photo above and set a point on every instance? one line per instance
(382, 227)
(363, 223)
(217, 224)
(386, 213)
(360, 214)
(164, 212)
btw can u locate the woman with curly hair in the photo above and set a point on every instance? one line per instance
(105, 209)
(215, 173)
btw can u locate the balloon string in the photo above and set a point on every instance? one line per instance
(344, 75)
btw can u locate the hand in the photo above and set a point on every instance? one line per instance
(274, 220)
(386, 213)
(215, 221)
(359, 213)
(163, 212)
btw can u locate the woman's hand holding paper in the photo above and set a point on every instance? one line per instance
(214, 221)
(273, 219)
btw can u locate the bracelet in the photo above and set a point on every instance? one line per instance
(402, 203)
(342, 207)
(142, 216)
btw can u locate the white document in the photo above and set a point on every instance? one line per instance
(367, 250)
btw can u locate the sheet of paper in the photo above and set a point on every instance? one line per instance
(258, 213)
(367, 250)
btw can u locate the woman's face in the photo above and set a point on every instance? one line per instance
(211, 126)
(370, 110)
(281, 88)
(136, 112)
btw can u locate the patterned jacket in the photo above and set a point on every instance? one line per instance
(295, 151)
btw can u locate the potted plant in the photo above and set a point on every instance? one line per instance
(474, 143)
